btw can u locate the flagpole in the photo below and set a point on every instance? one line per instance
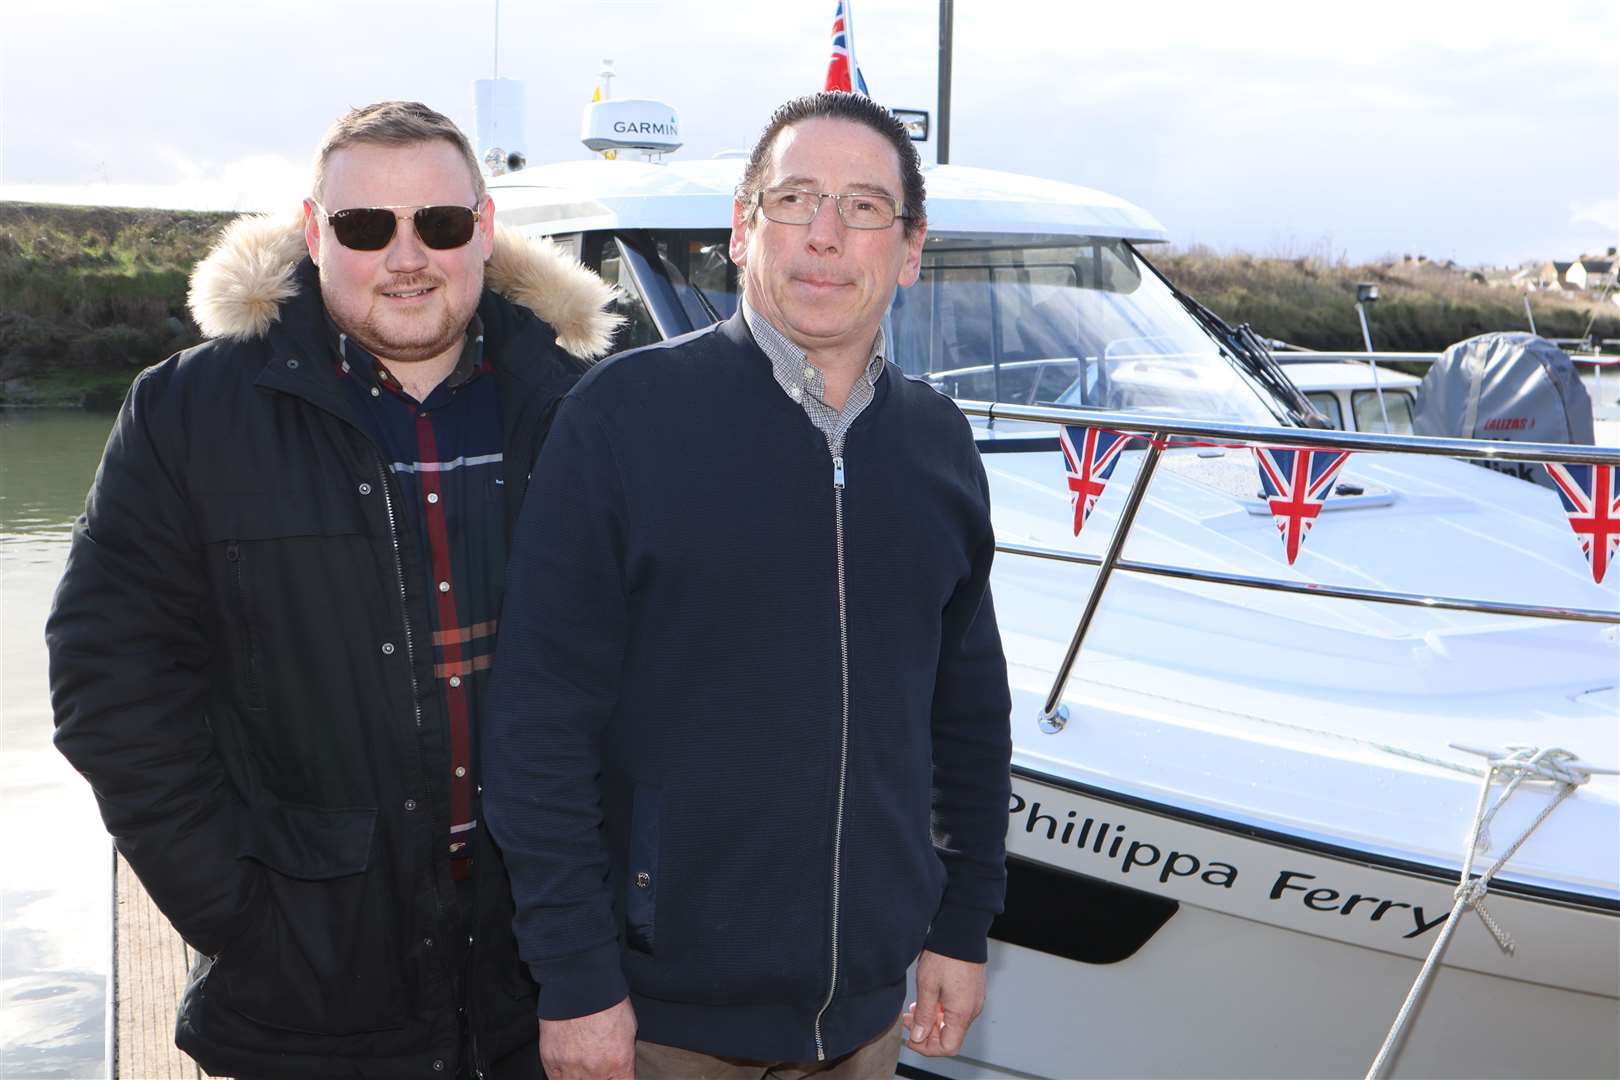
(849, 46)
(943, 144)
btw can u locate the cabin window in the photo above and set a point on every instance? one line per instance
(569, 242)
(638, 328)
(699, 266)
(1328, 405)
(1369, 418)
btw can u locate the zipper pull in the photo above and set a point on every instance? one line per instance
(838, 472)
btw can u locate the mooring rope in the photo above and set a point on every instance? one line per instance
(1521, 763)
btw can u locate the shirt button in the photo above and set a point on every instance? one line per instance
(428, 942)
(292, 365)
(433, 496)
(455, 680)
(376, 392)
(438, 1065)
(410, 806)
(365, 489)
(809, 372)
(388, 648)
(461, 770)
(643, 880)
(444, 586)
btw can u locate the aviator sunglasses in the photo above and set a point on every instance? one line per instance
(370, 228)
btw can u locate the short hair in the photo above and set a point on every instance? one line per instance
(841, 105)
(394, 123)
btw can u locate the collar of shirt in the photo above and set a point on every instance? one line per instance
(797, 377)
(354, 360)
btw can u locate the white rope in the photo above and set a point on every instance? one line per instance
(1521, 763)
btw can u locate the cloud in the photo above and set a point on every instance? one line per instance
(1603, 212)
(258, 182)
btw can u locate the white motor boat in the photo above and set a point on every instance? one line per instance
(1238, 814)
(1348, 394)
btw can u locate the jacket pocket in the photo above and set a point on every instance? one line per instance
(244, 634)
(261, 549)
(322, 955)
(641, 877)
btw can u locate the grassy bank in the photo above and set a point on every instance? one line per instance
(1421, 307)
(90, 295)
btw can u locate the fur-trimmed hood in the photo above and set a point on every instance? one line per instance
(237, 291)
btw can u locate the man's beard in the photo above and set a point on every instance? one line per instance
(424, 343)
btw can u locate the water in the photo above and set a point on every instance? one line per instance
(55, 858)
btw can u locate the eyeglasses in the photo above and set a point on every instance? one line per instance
(859, 210)
(370, 228)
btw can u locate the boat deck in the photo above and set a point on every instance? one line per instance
(149, 974)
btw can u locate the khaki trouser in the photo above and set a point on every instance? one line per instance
(872, 1061)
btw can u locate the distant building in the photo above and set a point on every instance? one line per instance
(1554, 275)
(1590, 273)
(1523, 279)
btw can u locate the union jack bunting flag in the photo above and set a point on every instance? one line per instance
(1593, 506)
(843, 73)
(1296, 484)
(1089, 457)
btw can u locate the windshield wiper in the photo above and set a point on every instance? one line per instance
(1246, 347)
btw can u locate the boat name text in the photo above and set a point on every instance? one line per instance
(1135, 855)
(1066, 828)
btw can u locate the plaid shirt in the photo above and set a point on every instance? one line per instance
(804, 383)
(446, 453)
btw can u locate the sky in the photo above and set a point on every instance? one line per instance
(1486, 132)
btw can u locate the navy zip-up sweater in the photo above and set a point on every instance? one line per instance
(684, 807)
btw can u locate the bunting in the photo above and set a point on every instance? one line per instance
(1296, 484)
(1089, 457)
(1593, 506)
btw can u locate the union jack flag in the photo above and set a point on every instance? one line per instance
(843, 73)
(1089, 457)
(1296, 484)
(1593, 505)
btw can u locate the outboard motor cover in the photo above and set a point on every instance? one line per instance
(1513, 387)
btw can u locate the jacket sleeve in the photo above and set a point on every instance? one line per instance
(129, 662)
(972, 753)
(562, 645)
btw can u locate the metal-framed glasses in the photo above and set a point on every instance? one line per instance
(370, 228)
(858, 209)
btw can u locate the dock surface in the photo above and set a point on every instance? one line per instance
(149, 974)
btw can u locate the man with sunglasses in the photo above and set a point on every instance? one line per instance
(269, 651)
(748, 743)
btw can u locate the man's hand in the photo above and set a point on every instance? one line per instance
(601, 1046)
(950, 994)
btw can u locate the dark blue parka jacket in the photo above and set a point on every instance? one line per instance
(240, 667)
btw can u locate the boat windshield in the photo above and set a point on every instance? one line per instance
(1078, 321)
(1071, 321)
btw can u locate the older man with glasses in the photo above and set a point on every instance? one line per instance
(748, 743)
(270, 649)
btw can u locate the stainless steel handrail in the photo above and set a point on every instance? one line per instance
(1474, 449)
(1289, 357)
(1054, 716)
(1342, 592)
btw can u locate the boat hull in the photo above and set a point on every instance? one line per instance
(1279, 958)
